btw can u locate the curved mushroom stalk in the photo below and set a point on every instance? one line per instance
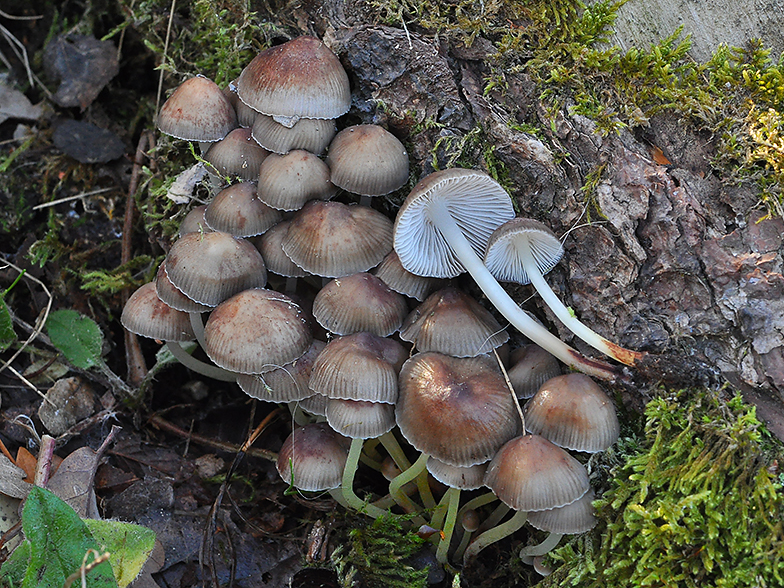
(495, 534)
(527, 554)
(523, 250)
(430, 241)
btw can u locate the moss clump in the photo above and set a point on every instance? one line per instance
(696, 504)
(375, 554)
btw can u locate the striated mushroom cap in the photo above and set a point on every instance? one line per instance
(313, 457)
(236, 210)
(146, 315)
(197, 111)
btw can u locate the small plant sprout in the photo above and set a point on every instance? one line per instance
(446, 219)
(522, 250)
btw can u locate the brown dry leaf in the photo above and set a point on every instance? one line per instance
(67, 402)
(12, 479)
(26, 461)
(73, 482)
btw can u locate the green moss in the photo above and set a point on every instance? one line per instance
(696, 503)
(375, 553)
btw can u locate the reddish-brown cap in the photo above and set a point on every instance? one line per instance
(361, 366)
(531, 366)
(573, 412)
(256, 331)
(236, 210)
(332, 239)
(310, 134)
(237, 154)
(453, 323)
(368, 160)
(287, 182)
(301, 79)
(146, 315)
(359, 302)
(197, 111)
(458, 410)
(312, 458)
(360, 419)
(210, 267)
(286, 383)
(529, 473)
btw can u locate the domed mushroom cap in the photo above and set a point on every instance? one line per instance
(453, 323)
(277, 262)
(529, 473)
(333, 240)
(256, 331)
(573, 518)
(476, 202)
(394, 275)
(315, 405)
(360, 419)
(531, 366)
(146, 315)
(368, 160)
(573, 412)
(456, 409)
(286, 383)
(359, 302)
(210, 267)
(310, 134)
(465, 478)
(301, 79)
(502, 256)
(174, 297)
(236, 210)
(194, 221)
(361, 366)
(197, 111)
(237, 154)
(245, 114)
(287, 182)
(313, 457)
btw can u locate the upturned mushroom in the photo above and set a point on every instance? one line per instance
(443, 227)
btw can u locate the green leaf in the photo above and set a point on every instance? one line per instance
(59, 541)
(129, 544)
(7, 334)
(13, 569)
(78, 337)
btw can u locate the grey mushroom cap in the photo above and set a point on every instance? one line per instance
(502, 253)
(146, 315)
(197, 111)
(476, 202)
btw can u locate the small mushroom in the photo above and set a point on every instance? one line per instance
(197, 111)
(237, 154)
(236, 210)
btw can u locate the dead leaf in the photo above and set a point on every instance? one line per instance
(84, 65)
(26, 461)
(14, 104)
(181, 190)
(87, 143)
(67, 402)
(12, 479)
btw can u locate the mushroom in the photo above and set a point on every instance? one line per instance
(445, 222)
(237, 154)
(287, 182)
(531, 366)
(310, 134)
(236, 210)
(522, 250)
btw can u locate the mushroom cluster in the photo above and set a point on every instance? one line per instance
(326, 305)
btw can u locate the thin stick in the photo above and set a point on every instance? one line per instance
(70, 198)
(515, 401)
(163, 58)
(44, 463)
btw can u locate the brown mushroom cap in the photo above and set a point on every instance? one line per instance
(456, 409)
(237, 154)
(236, 210)
(573, 518)
(194, 221)
(361, 366)
(394, 275)
(301, 78)
(465, 478)
(368, 160)
(246, 116)
(531, 366)
(286, 383)
(255, 331)
(573, 412)
(172, 296)
(210, 267)
(453, 323)
(313, 457)
(197, 111)
(332, 239)
(287, 182)
(277, 262)
(529, 473)
(310, 134)
(146, 315)
(360, 419)
(359, 302)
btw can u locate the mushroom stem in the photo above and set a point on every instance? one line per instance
(528, 553)
(442, 219)
(595, 340)
(452, 500)
(410, 474)
(495, 534)
(349, 471)
(197, 324)
(198, 366)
